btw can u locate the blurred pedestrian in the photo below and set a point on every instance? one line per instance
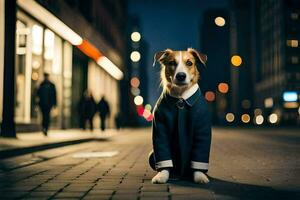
(87, 110)
(46, 94)
(104, 111)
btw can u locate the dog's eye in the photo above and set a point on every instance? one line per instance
(172, 63)
(189, 63)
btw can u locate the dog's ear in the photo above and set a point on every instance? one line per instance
(159, 56)
(200, 57)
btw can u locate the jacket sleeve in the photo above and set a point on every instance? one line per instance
(160, 140)
(201, 142)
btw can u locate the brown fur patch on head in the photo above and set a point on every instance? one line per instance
(170, 60)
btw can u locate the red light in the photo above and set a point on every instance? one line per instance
(140, 110)
(150, 118)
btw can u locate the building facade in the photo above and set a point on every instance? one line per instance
(81, 44)
(242, 58)
(278, 77)
(215, 44)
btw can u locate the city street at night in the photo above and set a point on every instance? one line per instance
(245, 163)
(150, 100)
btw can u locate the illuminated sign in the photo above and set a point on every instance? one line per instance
(290, 96)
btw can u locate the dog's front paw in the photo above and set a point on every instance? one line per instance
(161, 177)
(200, 177)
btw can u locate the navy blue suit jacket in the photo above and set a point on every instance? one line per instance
(181, 133)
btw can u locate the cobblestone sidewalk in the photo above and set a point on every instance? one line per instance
(244, 165)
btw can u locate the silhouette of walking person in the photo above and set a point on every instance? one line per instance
(87, 109)
(46, 100)
(104, 111)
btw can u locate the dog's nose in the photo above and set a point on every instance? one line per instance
(180, 76)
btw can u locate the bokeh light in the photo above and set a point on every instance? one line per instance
(220, 21)
(259, 119)
(257, 111)
(150, 118)
(148, 107)
(223, 88)
(245, 118)
(210, 96)
(146, 113)
(140, 110)
(135, 82)
(135, 36)
(135, 91)
(236, 60)
(273, 118)
(35, 76)
(246, 104)
(138, 100)
(230, 117)
(135, 56)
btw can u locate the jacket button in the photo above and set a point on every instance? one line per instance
(180, 104)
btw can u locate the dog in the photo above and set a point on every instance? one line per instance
(181, 127)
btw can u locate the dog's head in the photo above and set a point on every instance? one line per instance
(179, 68)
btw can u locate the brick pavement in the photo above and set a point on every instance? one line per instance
(244, 165)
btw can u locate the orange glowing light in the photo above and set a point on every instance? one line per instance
(223, 88)
(245, 118)
(236, 60)
(88, 49)
(135, 82)
(210, 96)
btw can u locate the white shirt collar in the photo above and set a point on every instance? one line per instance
(188, 93)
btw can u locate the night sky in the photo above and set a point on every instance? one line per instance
(169, 24)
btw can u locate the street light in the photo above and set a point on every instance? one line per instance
(220, 21)
(135, 36)
(236, 60)
(135, 56)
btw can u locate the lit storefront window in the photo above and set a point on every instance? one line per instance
(40, 50)
(22, 110)
(37, 39)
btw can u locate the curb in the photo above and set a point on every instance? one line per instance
(26, 150)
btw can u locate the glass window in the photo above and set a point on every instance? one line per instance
(37, 39)
(292, 43)
(21, 109)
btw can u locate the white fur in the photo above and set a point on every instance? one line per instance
(200, 177)
(161, 177)
(181, 68)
